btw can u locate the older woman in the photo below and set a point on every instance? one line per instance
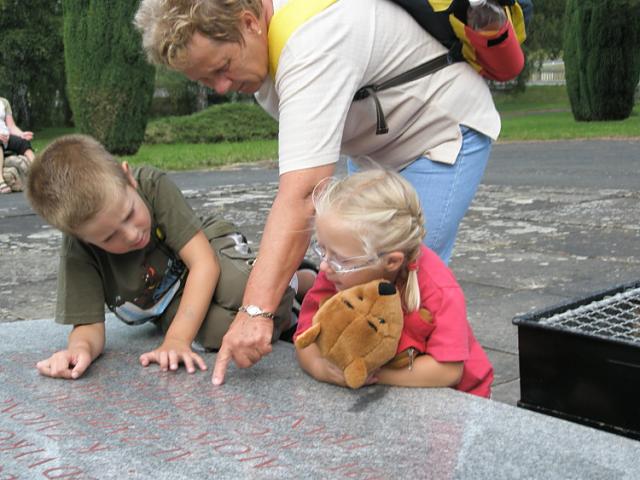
(440, 126)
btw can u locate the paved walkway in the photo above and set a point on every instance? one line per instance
(551, 221)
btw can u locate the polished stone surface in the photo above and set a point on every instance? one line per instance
(270, 421)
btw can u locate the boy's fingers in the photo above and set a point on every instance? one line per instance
(222, 363)
(44, 367)
(173, 360)
(163, 361)
(82, 363)
(147, 358)
(188, 363)
(201, 363)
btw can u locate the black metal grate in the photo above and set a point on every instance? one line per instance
(615, 317)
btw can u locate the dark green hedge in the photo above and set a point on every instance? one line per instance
(602, 63)
(227, 122)
(109, 82)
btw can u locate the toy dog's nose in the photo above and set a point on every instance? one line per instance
(385, 288)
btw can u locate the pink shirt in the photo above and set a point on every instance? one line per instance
(447, 339)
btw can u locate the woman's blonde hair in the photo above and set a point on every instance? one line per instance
(384, 211)
(167, 26)
(72, 180)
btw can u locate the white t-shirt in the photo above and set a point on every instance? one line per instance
(353, 43)
(5, 110)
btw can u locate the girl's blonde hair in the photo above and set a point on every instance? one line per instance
(384, 211)
(72, 180)
(167, 26)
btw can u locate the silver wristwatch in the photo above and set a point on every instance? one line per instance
(255, 311)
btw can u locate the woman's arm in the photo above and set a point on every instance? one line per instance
(284, 243)
(426, 372)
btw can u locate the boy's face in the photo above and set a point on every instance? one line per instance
(123, 225)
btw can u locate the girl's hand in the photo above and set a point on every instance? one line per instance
(69, 364)
(171, 354)
(27, 135)
(329, 373)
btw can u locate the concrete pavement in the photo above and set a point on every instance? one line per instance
(551, 222)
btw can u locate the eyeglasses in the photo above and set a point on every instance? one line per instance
(346, 265)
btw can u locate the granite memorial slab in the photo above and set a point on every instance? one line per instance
(271, 421)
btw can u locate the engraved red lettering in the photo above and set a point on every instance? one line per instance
(43, 461)
(284, 443)
(139, 439)
(27, 416)
(16, 445)
(96, 447)
(179, 451)
(62, 472)
(10, 407)
(232, 449)
(24, 454)
(270, 463)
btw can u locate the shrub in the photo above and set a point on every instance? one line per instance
(602, 65)
(109, 82)
(227, 122)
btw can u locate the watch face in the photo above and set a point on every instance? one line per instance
(253, 310)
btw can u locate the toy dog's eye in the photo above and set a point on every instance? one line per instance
(346, 302)
(360, 297)
(382, 320)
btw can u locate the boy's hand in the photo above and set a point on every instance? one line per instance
(69, 364)
(171, 353)
(27, 135)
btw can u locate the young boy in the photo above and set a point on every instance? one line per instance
(132, 241)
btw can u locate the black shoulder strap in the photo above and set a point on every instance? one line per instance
(420, 71)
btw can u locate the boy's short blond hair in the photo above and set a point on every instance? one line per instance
(72, 180)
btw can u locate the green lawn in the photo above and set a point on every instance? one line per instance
(538, 114)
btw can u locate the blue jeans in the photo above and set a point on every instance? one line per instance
(446, 191)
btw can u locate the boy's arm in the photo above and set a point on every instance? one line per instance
(201, 282)
(426, 372)
(85, 344)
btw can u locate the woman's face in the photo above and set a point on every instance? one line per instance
(226, 66)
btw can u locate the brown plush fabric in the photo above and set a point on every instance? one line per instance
(358, 329)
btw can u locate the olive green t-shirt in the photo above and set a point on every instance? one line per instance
(137, 286)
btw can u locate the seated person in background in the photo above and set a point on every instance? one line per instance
(132, 241)
(12, 139)
(369, 226)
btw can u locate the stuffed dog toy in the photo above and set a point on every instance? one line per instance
(357, 329)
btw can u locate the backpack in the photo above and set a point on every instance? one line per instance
(443, 19)
(497, 57)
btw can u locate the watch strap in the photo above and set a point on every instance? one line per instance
(255, 311)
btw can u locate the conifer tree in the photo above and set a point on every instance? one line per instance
(602, 64)
(109, 82)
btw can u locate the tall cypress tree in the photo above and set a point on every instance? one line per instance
(109, 82)
(602, 64)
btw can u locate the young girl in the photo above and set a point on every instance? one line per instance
(368, 226)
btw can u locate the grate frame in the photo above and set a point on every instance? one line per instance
(585, 375)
